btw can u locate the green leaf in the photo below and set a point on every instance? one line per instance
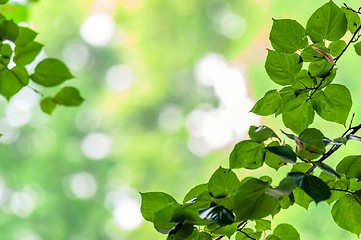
(285, 152)
(328, 22)
(302, 81)
(271, 159)
(346, 213)
(327, 80)
(262, 225)
(327, 169)
(320, 69)
(51, 72)
(47, 105)
(261, 133)
(6, 51)
(249, 232)
(162, 218)
(309, 54)
(333, 104)
(217, 214)
(26, 35)
(252, 202)
(284, 231)
(282, 68)
(3, 1)
(180, 231)
(288, 36)
(358, 48)
(285, 188)
(300, 118)
(291, 101)
(227, 230)
(153, 202)
(247, 154)
(350, 166)
(223, 182)
(26, 54)
(302, 198)
(195, 192)
(353, 20)
(8, 30)
(317, 189)
(68, 96)
(9, 83)
(196, 235)
(312, 144)
(21, 75)
(337, 47)
(269, 104)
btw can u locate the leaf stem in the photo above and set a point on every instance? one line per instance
(341, 190)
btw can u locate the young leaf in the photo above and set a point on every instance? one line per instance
(300, 118)
(217, 214)
(223, 182)
(26, 35)
(47, 105)
(288, 36)
(180, 231)
(269, 104)
(285, 152)
(68, 96)
(249, 232)
(285, 188)
(51, 72)
(320, 68)
(310, 55)
(346, 213)
(162, 220)
(262, 225)
(350, 166)
(333, 104)
(247, 154)
(358, 48)
(153, 202)
(312, 144)
(284, 231)
(337, 47)
(328, 22)
(195, 192)
(302, 198)
(9, 83)
(282, 68)
(26, 54)
(291, 101)
(303, 80)
(261, 133)
(353, 20)
(271, 159)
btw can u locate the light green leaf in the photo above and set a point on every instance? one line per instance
(300, 118)
(282, 68)
(261, 133)
(262, 225)
(180, 231)
(320, 68)
(337, 47)
(47, 105)
(350, 166)
(309, 54)
(10, 84)
(196, 235)
(249, 232)
(353, 20)
(303, 80)
(358, 48)
(153, 202)
(227, 230)
(333, 104)
(346, 213)
(26, 35)
(252, 202)
(26, 54)
(223, 182)
(6, 51)
(68, 96)
(328, 22)
(247, 154)
(269, 104)
(162, 218)
(51, 72)
(291, 101)
(8, 30)
(21, 74)
(302, 198)
(195, 192)
(287, 36)
(284, 231)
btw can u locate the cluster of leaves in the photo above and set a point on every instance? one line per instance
(18, 51)
(227, 205)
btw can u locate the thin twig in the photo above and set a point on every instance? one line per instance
(341, 190)
(247, 235)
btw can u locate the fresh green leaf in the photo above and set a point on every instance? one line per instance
(261, 133)
(51, 72)
(328, 22)
(153, 202)
(242, 236)
(26, 35)
(302, 198)
(353, 20)
(21, 74)
(312, 144)
(291, 101)
(195, 192)
(162, 218)
(9, 83)
(47, 105)
(196, 235)
(217, 214)
(26, 54)
(285, 188)
(284, 231)
(302, 81)
(269, 104)
(320, 69)
(288, 36)
(283, 68)
(227, 230)
(252, 202)
(337, 47)
(68, 96)
(223, 182)
(300, 118)
(6, 51)
(262, 225)
(247, 154)
(8, 30)
(350, 166)
(309, 54)
(285, 152)
(333, 104)
(346, 213)
(358, 48)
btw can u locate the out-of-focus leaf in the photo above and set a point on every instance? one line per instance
(47, 105)
(284, 231)
(8, 30)
(68, 96)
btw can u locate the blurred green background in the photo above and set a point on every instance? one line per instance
(168, 85)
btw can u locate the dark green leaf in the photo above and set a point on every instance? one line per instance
(26, 54)
(261, 133)
(196, 235)
(252, 202)
(68, 96)
(21, 75)
(6, 51)
(346, 213)
(26, 35)
(327, 169)
(337, 47)
(271, 159)
(268, 105)
(328, 22)
(223, 182)
(153, 202)
(287, 36)
(285, 188)
(317, 189)
(3, 1)
(285, 152)
(300, 118)
(217, 214)
(47, 105)
(350, 166)
(8, 30)
(353, 20)
(284, 231)
(282, 68)
(247, 154)
(180, 231)
(51, 72)
(333, 104)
